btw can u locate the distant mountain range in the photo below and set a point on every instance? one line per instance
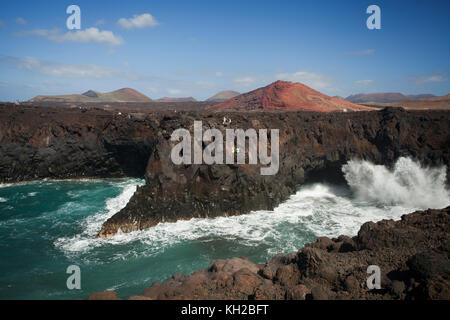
(434, 103)
(280, 95)
(121, 95)
(283, 95)
(168, 99)
(385, 97)
(223, 96)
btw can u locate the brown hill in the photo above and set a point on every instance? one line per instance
(223, 96)
(168, 99)
(283, 95)
(121, 95)
(382, 97)
(434, 103)
(126, 95)
(385, 97)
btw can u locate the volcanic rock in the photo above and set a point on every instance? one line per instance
(89, 143)
(313, 147)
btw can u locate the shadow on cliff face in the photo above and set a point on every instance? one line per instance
(331, 173)
(132, 159)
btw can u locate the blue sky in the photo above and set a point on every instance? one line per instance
(197, 48)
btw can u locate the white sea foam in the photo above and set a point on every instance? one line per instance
(7, 185)
(3, 199)
(407, 184)
(317, 210)
(92, 224)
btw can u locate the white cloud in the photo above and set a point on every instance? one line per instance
(39, 32)
(363, 52)
(100, 22)
(245, 81)
(204, 84)
(138, 21)
(364, 82)
(84, 36)
(314, 80)
(431, 79)
(174, 91)
(219, 74)
(93, 35)
(21, 21)
(68, 70)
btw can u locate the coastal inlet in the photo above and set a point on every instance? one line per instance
(46, 226)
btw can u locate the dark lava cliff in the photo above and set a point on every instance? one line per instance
(57, 143)
(37, 143)
(313, 147)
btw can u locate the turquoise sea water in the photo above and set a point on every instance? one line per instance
(48, 225)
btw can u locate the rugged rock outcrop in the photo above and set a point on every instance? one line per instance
(313, 147)
(38, 143)
(412, 254)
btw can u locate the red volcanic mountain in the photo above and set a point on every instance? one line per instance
(283, 95)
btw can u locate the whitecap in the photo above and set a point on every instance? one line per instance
(92, 224)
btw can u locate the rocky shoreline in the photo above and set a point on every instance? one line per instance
(54, 143)
(313, 147)
(62, 143)
(412, 254)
